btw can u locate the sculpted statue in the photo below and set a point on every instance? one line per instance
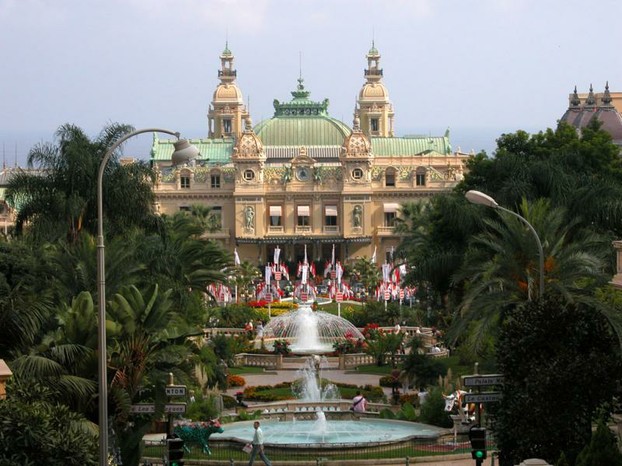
(357, 216)
(249, 215)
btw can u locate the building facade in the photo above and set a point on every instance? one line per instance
(303, 180)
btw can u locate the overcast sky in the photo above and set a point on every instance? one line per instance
(478, 67)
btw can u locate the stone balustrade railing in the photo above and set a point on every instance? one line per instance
(353, 360)
(288, 409)
(227, 331)
(267, 361)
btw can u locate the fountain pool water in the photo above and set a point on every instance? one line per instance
(310, 332)
(324, 433)
(331, 432)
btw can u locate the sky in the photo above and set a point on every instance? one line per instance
(478, 67)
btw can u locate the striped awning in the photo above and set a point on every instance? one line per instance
(331, 210)
(391, 207)
(275, 211)
(303, 211)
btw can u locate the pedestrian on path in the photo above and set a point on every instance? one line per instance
(258, 446)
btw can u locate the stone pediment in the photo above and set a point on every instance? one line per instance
(302, 158)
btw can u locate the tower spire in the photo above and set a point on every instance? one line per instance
(606, 99)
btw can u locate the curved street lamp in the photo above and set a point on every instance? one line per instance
(184, 152)
(477, 197)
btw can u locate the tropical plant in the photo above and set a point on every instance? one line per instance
(58, 199)
(149, 341)
(242, 278)
(366, 272)
(34, 431)
(182, 260)
(501, 268)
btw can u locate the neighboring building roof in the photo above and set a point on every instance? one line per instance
(580, 113)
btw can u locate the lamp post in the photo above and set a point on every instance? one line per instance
(477, 197)
(184, 152)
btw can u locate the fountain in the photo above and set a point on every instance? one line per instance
(322, 432)
(310, 332)
(310, 387)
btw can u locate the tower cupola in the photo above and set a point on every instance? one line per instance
(375, 110)
(227, 111)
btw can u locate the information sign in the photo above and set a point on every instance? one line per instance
(485, 397)
(175, 408)
(482, 380)
(142, 408)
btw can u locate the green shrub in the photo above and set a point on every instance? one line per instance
(203, 408)
(433, 410)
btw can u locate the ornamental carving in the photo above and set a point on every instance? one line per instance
(376, 173)
(405, 173)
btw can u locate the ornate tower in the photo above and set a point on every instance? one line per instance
(227, 112)
(374, 107)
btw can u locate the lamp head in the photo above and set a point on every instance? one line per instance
(477, 197)
(184, 152)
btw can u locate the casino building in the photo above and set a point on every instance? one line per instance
(303, 177)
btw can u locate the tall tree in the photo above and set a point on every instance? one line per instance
(149, 341)
(182, 259)
(561, 364)
(501, 267)
(59, 198)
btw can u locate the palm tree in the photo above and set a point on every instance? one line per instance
(501, 267)
(74, 265)
(149, 341)
(207, 217)
(58, 199)
(186, 262)
(367, 273)
(64, 359)
(243, 277)
(26, 302)
(433, 243)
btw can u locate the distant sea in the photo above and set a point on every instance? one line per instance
(15, 147)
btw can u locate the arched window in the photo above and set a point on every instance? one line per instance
(389, 177)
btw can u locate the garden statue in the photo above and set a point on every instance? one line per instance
(454, 403)
(198, 433)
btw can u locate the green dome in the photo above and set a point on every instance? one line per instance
(302, 122)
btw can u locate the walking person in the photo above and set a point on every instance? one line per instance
(258, 446)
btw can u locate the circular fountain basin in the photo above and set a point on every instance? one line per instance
(337, 433)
